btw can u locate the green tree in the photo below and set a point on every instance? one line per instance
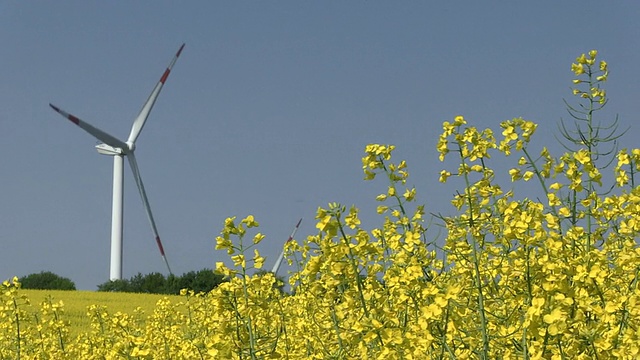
(155, 283)
(121, 285)
(46, 280)
(203, 280)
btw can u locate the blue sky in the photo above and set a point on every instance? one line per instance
(266, 112)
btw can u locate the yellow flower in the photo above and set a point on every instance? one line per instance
(250, 221)
(522, 161)
(239, 260)
(515, 174)
(228, 222)
(564, 211)
(603, 66)
(409, 195)
(577, 69)
(258, 260)
(536, 306)
(391, 191)
(257, 238)
(553, 199)
(527, 175)
(352, 219)
(432, 311)
(509, 133)
(622, 178)
(324, 221)
(555, 186)
(582, 156)
(444, 174)
(369, 175)
(222, 269)
(556, 315)
(223, 243)
(448, 128)
(459, 120)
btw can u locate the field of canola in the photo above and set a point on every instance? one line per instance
(514, 278)
(76, 303)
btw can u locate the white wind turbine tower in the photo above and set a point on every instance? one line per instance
(112, 146)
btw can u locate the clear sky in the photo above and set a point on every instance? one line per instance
(266, 112)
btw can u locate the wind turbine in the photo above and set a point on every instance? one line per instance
(276, 266)
(117, 148)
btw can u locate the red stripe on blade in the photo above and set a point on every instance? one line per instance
(74, 119)
(160, 245)
(165, 76)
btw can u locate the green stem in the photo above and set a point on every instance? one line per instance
(590, 146)
(17, 316)
(336, 327)
(356, 273)
(574, 219)
(444, 335)
(541, 181)
(528, 276)
(632, 170)
(476, 261)
(252, 344)
(392, 184)
(55, 315)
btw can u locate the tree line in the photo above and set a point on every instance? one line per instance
(154, 283)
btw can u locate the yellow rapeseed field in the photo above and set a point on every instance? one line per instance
(518, 275)
(76, 303)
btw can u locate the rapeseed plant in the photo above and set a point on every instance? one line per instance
(514, 278)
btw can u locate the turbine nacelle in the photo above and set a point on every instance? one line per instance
(105, 149)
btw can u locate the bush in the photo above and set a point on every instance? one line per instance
(155, 283)
(46, 280)
(203, 280)
(122, 285)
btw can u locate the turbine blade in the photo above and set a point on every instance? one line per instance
(138, 123)
(145, 202)
(276, 266)
(97, 133)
